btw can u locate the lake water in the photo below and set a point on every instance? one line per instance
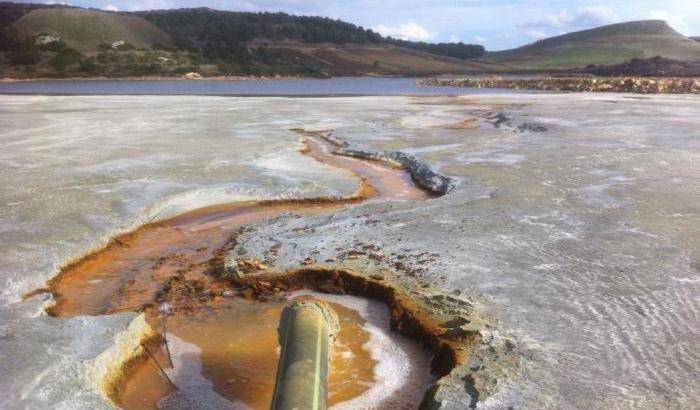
(305, 86)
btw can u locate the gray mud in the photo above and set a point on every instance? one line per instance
(583, 239)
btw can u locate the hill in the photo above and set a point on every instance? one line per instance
(605, 45)
(39, 40)
(86, 30)
(212, 42)
(381, 59)
(308, 43)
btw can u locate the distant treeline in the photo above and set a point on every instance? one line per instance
(191, 27)
(201, 39)
(224, 35)
(456, 50)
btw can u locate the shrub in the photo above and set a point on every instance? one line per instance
(65, 58)
(90, 66)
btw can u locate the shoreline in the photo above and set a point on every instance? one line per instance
(622, 84)
(276, 77)
(152, 78)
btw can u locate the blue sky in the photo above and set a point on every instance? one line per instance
(497, 24)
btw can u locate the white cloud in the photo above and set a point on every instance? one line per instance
(582, 17)
(592, 16)
(479, 39)
(408, 31)
(674, 20)
(566, 21)
(150, 5)
(453, 39)
(535, 33)
(110, 7)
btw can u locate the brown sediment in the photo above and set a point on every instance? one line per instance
(239, 353)
(419, 318)
(142, 385)
(469, 123)
(238, 332)
(134, 348)
(133, 268)
(179, 261)
(147, 360)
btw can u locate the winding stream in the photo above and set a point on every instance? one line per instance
(232, 342)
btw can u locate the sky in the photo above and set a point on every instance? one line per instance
(496, 24)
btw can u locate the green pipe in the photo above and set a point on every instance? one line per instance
(307, 330)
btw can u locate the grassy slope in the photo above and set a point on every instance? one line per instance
(361, 58)
(611, 44)
(86, 29)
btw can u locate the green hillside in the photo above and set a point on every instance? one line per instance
(219, 43)
(210, 42)
(85, 30)
(611, 44)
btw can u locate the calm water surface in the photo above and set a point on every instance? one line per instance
(306, 86)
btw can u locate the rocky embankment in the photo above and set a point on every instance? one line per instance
(647, 67)
(641, 85)
(421, 174)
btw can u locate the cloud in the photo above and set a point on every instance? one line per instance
(408, 31)
(110, 7)
(582, 17)
(568, 20)
(150, 5)
(592, 16)
(479, 39)
(535, 33)
(453, 39)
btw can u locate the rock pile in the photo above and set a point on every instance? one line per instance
(192, 76)
(46, 39)
(641, 85)
(647, 67)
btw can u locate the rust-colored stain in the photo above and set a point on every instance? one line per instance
(133, 268)
(239, 354)
(180, 261)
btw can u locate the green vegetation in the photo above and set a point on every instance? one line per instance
(64, 58)
(456, 50)
(222, 33)
(85, 29)
(611, 44)
(225, 37)
(38, 40)
(214, 42)
(582, 56)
